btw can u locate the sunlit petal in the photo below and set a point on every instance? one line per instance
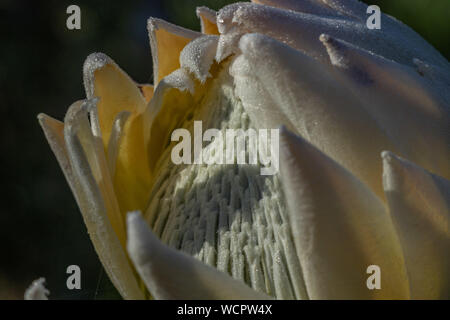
(54, 132)
(207, 20)
(316, 106)
(97, 201)
(166, 41)
(339, 226)
(116, 91)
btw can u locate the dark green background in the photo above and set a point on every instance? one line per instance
(41, 230)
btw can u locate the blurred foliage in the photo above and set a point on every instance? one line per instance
(41, 229)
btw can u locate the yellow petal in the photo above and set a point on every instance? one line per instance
(96, 199)
(340, 227)
(305, 95)
(117, 92)
(81, 143)
(132, 179)
(170, 104)
(115, 140)
(166, 41)
(207, 20)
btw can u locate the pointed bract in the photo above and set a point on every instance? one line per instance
(174, 93)
(37, 290)
(116, 91)
(339, 226)
(166, 41)
(301, 31)
(406, 106)
(198, 56)
(54, 132)
(207, 20)
(301, 90)
(171, 274)
(96, 199)
(115, 139)
(78, 173)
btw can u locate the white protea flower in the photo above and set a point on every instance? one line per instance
(364, 158)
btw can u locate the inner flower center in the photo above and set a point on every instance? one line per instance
(228, 216)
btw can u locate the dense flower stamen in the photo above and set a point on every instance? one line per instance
(228, 216)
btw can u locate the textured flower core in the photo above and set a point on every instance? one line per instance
(226, 215)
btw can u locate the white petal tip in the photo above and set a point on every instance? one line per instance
(251, 42)
(133, 217)
(42, 117)
(93, 62)
(390, 160)
(387, 155)
(152, 24)
(198, 56)
(37, 290)
(140, 239)
(324, 38)
(206, 12)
